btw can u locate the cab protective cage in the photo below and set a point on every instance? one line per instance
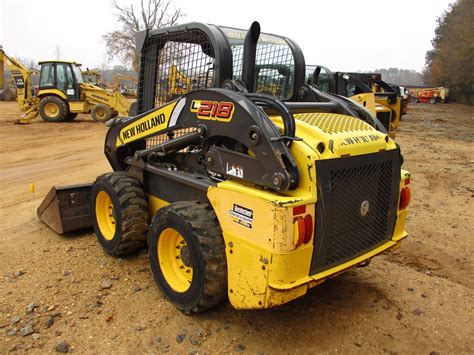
(211, 55)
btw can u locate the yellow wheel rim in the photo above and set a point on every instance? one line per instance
(100, 113)
(51, 109)
(104, 212)
(174, 258)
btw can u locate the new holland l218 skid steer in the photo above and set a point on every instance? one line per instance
(238, 194)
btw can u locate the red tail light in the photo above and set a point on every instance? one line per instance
(303, 230)
(405, 196)
(299, 235)
(308, 228)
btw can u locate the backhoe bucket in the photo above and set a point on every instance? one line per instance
(67, 208)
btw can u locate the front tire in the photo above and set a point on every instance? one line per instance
(120, 213)
(187, 256)
(101, 113)
(53, 109)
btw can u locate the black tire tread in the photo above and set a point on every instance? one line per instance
(64, 108)
(134, 212)
(108, 110)
(203, 221)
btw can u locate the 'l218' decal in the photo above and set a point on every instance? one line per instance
(213, 110)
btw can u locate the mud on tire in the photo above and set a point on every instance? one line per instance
(120, 213)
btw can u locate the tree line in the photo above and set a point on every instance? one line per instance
(451, 61)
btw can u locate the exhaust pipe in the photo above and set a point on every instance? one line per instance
(250, 51)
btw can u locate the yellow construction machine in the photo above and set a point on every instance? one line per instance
(62, 93)
(238, 194)
(126, 84)
(349, 85)
(385, 94)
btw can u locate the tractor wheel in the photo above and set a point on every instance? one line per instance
(120, 213)
(71, 116)
(101, 113)
(187, 256)
(432, 101)
(415, 100)
(53, 109)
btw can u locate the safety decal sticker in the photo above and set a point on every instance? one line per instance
(242, 216)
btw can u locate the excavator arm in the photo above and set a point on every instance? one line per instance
(21, 77)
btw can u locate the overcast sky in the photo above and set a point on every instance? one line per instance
(340, 34)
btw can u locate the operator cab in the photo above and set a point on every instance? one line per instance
(63, 76)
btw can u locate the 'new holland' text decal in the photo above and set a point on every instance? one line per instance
(151, 123)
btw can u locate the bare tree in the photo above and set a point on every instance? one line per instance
(148, 14)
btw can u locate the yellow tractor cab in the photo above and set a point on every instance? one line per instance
(59, 90)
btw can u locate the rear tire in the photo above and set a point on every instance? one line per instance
(187, 256)
(53, 109)
(101, 113)
(432, 101)
(120, 213)
(415, 100)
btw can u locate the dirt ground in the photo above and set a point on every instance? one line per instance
(418, 299)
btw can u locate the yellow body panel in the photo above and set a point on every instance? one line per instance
(366, 100)
(265, 268)
(94, 95)
(78, 107)
(56, 92)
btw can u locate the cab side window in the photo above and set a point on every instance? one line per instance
(69, 77)
(47, 75)
(61, 76)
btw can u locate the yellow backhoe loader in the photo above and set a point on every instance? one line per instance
(62, 93)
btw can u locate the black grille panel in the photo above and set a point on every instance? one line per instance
(384, 118)
(342, 230)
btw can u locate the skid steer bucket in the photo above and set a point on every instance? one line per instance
(67, 208)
